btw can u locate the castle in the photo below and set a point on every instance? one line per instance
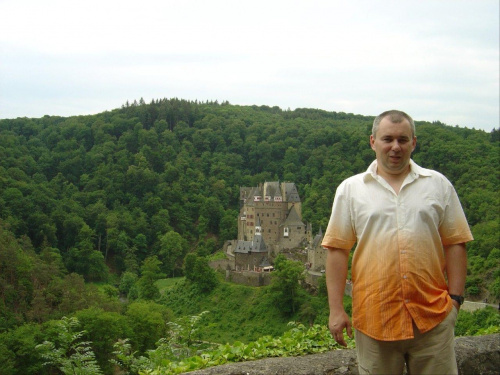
(270, 222)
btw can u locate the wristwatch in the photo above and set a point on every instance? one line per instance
(459, 299)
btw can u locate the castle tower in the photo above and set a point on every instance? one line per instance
(258, 228)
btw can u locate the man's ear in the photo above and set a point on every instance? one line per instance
(372, 142)
(414, 141)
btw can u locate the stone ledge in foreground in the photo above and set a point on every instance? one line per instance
(476, 355)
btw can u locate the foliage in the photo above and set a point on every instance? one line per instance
(480, 322)
(127, 281)
(101, 193)
(95, 198)
(237, 311)
(199, 272)
(181, 342)
(298, 340)
(150, 273)
(285, 284)
(70, 355)
(17, 350)
(148, 322)
(172, 250)
(171, 282)
(101, 329)
(219, 255)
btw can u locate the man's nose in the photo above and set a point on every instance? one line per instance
(396, 145)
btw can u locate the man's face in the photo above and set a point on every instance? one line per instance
(393, 145)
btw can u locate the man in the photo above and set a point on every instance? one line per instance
(408, 270)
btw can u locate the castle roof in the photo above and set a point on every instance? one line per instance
(318, 239)
(256, 246)
(286, 190)
(293, 218)
(265, 262)
(272, 189)
(291, 193)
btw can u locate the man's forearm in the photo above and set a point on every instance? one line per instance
(456, 268)
(336, 274)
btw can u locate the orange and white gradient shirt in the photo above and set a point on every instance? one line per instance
(398, 267)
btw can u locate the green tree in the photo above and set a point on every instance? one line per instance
(229, 226)
(200, 273)
(103, 329)
(189, 266)
(148, 321)
(16, 270)
(18, 353)
(212, 210)
(150, 273)
(172, 251)
(127, 280)
(286, 284)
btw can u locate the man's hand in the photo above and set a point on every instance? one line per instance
(339, 321)
(336, 274)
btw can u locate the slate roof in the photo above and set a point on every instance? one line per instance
(293, 218)
(317, 239)
(291, 193)
(265, 263)
(272, 189)
(256, 246)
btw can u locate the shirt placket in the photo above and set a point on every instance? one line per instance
(404, 253)
(402, 248)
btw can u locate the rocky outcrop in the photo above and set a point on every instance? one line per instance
(478, 355)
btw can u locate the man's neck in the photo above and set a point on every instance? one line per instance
(394, 180)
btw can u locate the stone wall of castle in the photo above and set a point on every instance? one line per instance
(297, 237)
(249, 278)
(248, 261)
(317, 259)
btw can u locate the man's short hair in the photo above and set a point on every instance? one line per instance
(396, 117)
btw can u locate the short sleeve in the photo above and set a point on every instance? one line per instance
(340, 232)
(454, 228)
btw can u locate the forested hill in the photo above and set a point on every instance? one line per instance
(96, 195)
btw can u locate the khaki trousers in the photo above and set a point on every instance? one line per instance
(431, 353)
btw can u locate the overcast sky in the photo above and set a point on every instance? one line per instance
(435, 59)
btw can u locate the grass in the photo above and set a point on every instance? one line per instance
(236, 312)
(166, 284)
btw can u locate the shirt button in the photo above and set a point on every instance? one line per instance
(403, 251)
(407, 300)
(404, 276)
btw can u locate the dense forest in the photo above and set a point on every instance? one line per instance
(94, 208)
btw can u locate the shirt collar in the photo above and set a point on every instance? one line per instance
(415, 171)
